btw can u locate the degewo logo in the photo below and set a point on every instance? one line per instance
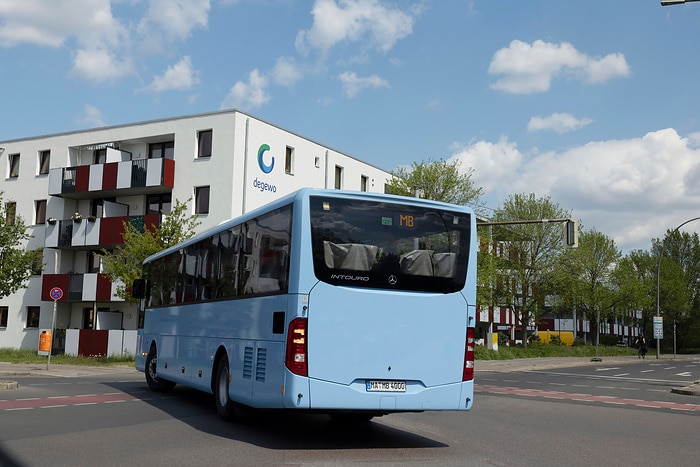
(259, 184)
(264, 167)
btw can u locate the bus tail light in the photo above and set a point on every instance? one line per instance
(468, 373)
(297, 350)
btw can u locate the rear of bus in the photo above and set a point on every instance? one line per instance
(389, 306)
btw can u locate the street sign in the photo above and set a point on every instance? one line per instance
(56, 293)
(658, 327)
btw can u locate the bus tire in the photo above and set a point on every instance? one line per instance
(155, 383)
(225, 407)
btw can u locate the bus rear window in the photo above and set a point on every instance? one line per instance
(390, 246)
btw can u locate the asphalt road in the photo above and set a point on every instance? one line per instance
(526, 415)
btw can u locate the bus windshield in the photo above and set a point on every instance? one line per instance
(365, 243)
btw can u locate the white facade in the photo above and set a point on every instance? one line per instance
(91, 181)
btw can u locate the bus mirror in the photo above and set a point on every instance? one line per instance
(138, 288)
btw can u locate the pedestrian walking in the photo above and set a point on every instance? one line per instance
(641, 344)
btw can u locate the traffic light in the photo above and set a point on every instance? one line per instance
(571, 233)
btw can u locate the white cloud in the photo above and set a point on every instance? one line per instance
(248, 95)
(92, 117)
(378, 26)
(46, 23)
(353, 84)
(101, 45)
(628, 189)
(558, 122)
(179, 77)
(286, 72)
(530, 68)
(100, 64)
(172, 20)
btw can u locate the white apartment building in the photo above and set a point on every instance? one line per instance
(74, 190)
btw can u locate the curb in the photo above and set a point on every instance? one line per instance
(692, 390)
(4, 384)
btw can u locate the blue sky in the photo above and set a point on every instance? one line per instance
(595, 103)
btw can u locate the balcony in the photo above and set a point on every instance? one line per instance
(88, 287)
(141, 176)
(82, 233)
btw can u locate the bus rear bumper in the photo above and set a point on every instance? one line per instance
(417, 398)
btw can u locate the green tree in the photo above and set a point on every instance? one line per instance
(584, 277)
(679, 276)
(525, 267)
(437, 180)
(16, 262)
(124, 264)
(634, 283)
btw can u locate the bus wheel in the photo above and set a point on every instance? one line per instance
(225, 407)
(154, 382)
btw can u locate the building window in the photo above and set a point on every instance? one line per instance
(164, 150)
(94, 261)
(338, 177)
(33, 313)
(100, 156)
(4, 311)
(289, 161)
(10, 212)
(364, 182)
(40, 211)
(38, 266)
(14, 165)
(204, 143)
(88, 318)
(44, 162)
(159, 204)
(201, 200)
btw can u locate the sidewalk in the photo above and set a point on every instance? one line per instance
(60, 371)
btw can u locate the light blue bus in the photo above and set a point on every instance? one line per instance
(350, 304)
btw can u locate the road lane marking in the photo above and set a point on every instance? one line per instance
(63, 401)
(585, 398)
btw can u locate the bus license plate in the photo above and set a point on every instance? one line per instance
(386, 386)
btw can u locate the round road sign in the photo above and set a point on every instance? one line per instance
(56, 293)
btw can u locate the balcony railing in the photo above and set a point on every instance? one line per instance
(79, 287)
(90, 232)
(125, 177)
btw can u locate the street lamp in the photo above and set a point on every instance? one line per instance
(658, 271)
(676, 2)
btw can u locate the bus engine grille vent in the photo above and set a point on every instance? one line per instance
(248, 363)
(261, 365)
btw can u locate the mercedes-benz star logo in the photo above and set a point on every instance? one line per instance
(393, 280)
